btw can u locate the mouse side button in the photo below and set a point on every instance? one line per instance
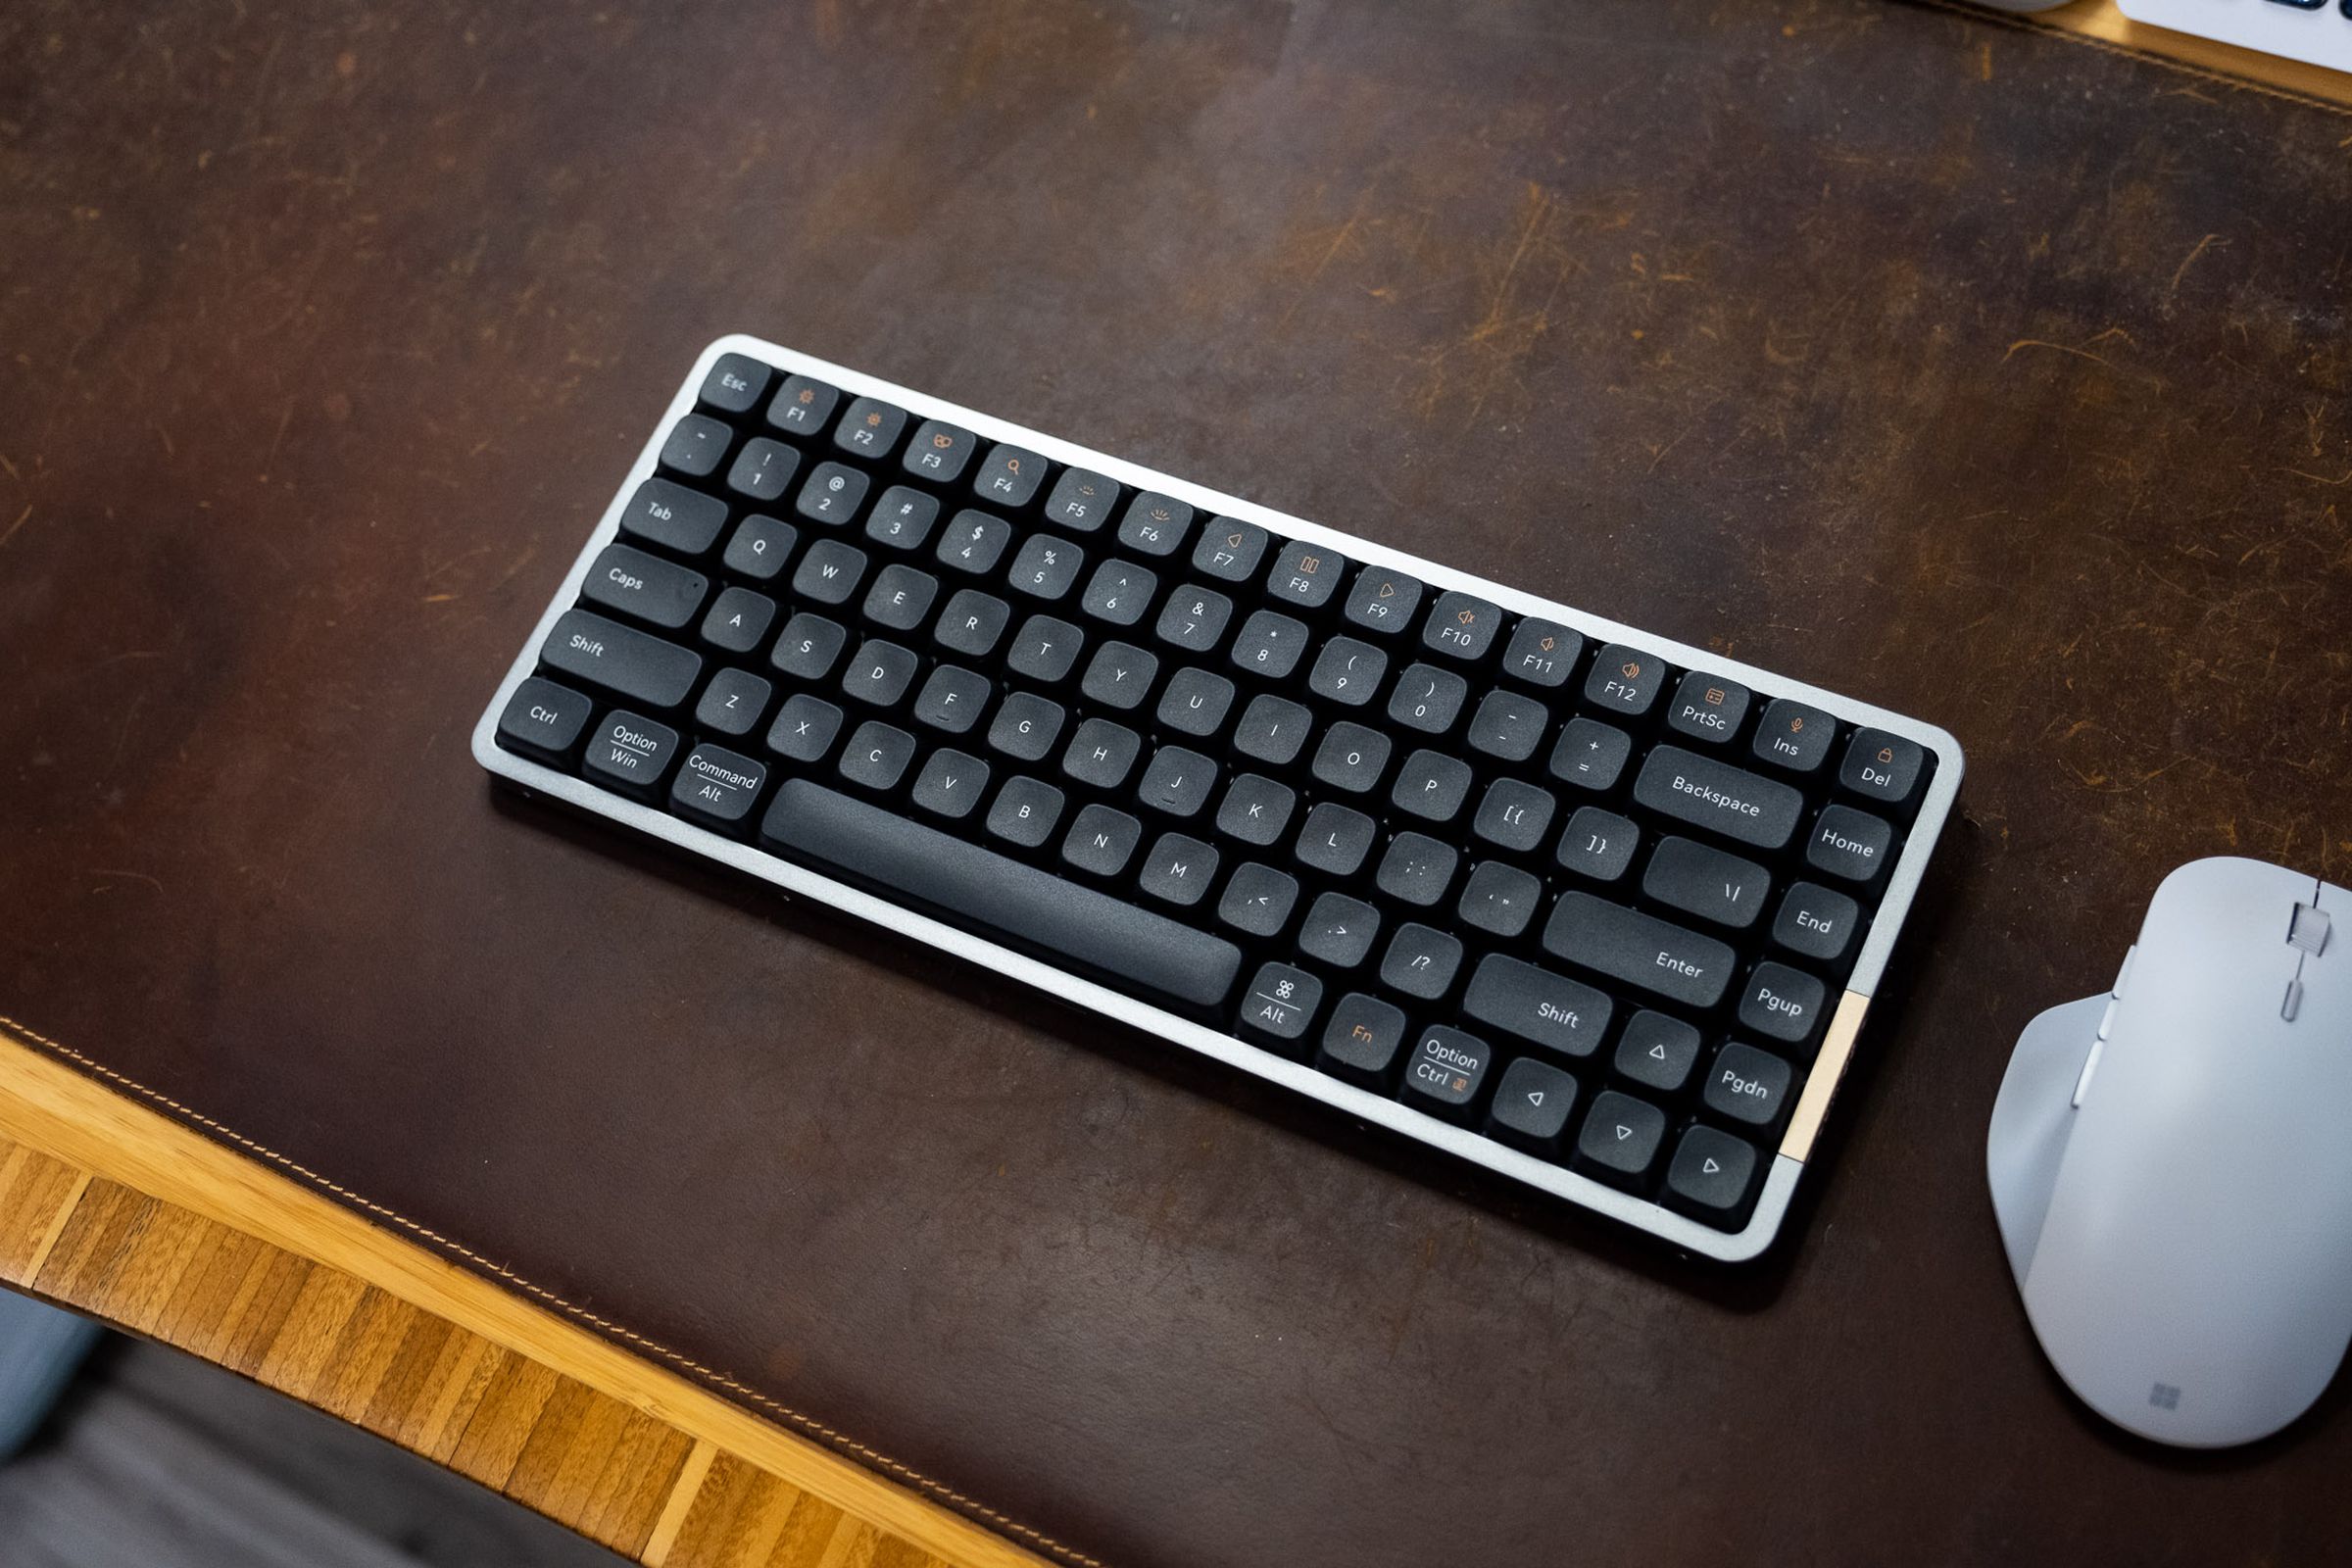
(2308, 929)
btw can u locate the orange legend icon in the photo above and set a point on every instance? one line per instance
(1466, 616)
(943, 440)
(1631, 670)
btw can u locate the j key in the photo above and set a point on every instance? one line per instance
(1420, 962)
(543, 720)
(1816, 922)
(648, 587)
(805, 729)
(1177, 782)
(833, 494)
(801, 406)
(1417, 870)
(1709, 1176)
(1621, 1137)
(1256, 810)
(1361, 1041)
(1281, 1001)
(735, 384)
(1025, 814)
(1119, 677)
(1346, 672)
(829, 573)
(630, 753)
(1710, 793)
(1027, 727)
(1849, 844)
(901, 597)
(1178, 871)
(879, 673)
(1196, 702)
(1498, 900)
(1432, 786)
(674, 516)
(1304, 575)
(1707, 707)
(973, 541)
(1747, 1085)
(1461, 628)
(1444, 1071)
(939, 452)
(1541, 653)
(716, 786)
(1045, 650)
(733, 704)
(1657, 1052)
(1536, 1005)
(1706, 882)
(1350, 758)
(951, 700)
(1383, 601)
(1533, 1102)
(972, 623)
(620, 660)
(995, 893)
(1590, 754)
(1625, 680)
(762, 471)
(1782, 1004)
(1081, 502)
(1272, 730)
(870, 429)
(1881, 768)
(1269, 645)
(1102, 841)
(1120, 592)
(950, 784)
(1044, 568)
(1008, 478)
(1335, 840)
(1509, 726)
(759, 547)
(1257, 900)
(696, 444)
(738, 621)
(903, 518)
(1101, 753)
(1230, 550)
(1513, 815)
(1598, 843)
(1194, 620)
(1428, 699)
(1339, 931)
(807, 646)
(1793, 737)
(1639, 950)
(1154, 525)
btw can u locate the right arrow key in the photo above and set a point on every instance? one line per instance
(1711, 1174)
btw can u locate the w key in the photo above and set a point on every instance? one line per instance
(1707, 882)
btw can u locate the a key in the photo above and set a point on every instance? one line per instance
(1783, 1004)
(1541, 653)
(1533, 1102)
(1351, 758)
(1432, 786)
(1361, 1041)
(805, 729)
(1793, 736)
(1025, 814)
(764, 471)
(1257, 900)
(1339, 931)
(738, 621)
(1230, 550)
(1513, 815)
(1509, 726)
(620, 660)
(1177, 782)
(1428, 699)
(1498, 900)
(869, 428)
(735, 384)
(733, 704)
(1256, 810)
(759, 547)
(696, 444)
(1335, 840)
(630, 753)
(1154, 525)
(1598, 844)
(802, 406)
(1417, 870)
(1346, 672)
(1120, 592)
(1420, 962)
(1747, 1085)
(1536, 1005)
(1119, 676)
(1304, 575)
(879, 673)
(1269, 645)
(902, 518)
(807, 646)
(1444, 1071)
(1026, 727)
(950, 784)
(659, 592)
(1178, 871)
(1639, 950)
(1383, 601)
(673, 517)
(1706, 882)
(1710, 793)
(1044, 568)
(1272, 730)
(1081, 500)
(829, 573)
(1461, 626)
(1816, 922)
(543, 720)
(901, 597)
(973, 541)
(1881, 768)
(1657, 1052)
(972, 623)
(1850, 845)
(1102, 841)
(952, 699)
(1196, 702)
(716, 786)
(1709, 1176)
(1707, 707)
(1101, 753)
(1590, 754)
(1619, 1139)
(1008, 476)
(939, 452)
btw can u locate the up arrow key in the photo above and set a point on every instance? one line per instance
(1712, 1168)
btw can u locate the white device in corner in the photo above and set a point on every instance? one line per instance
(2171, 1165)
(2317, 32)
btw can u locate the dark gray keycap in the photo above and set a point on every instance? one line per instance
(1747, 1085)
(1783, 1003)
(1420, 962)
(1339, 931)
(1657, 1052)
(1881, 768)
(1850, 845)
(1120, 592)
(1044, 568)
(1514, 814)
(1269, 645)
(1335, 840)
(1102, 841)
(1001, 897)
(1707, 707)
(1625, 680)
(1304, 575)
(1178, 871)
(1008, 476)
(1461, 626)
(939, 452)
(630, 753)
(871, 428)
(735, 384)
(972, 623)
(1351, 758)
(879, 673)
(1705, 881)
(901, 597)
(696, 444)
(1194, 620)
(1817, 923)
(634, 583)
(1272, 730)
(829, 573)
(801, 406)
(1361, 1041)
(807, 646)
(1541, 653)
(877, 756)
(1428, 699)
(716, 786)
(1639, 950)
(1119, 676)
(1417, 870)
(1026, 812)
(1508, 725)
(1177, 782)
(973, 541)
(1346, 672)
(1443, 1070)
(543, 720)
(1793, 736)
(762, 471)
(759, 547)
(1709, 1176)
(1499, 898)
(950, 784)
(1710, 793)
(733, 704)
(1590, 754)
(1045, 650)
(952, 699)
(902, 518)
(1230, 550)
(1256, 810)
(674, 516)
(832, 496)
(1432, 786)
(1154, 525)
(1536, 1005)
(1598, 843)
(1026, 727)
(1281, 1003)
(1258, 900)
(1533, 1102)
(1196, 702)
(1620, 1139)
(620, 660)
(738, 621)
(1082, 501)
(1383, 601)
(804, 729)
(1101, 753)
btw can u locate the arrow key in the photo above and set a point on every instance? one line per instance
(1710, 1176)
(1532, 1105)
(1620, 1141)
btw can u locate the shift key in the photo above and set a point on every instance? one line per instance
(622, 661)
(1639, 950)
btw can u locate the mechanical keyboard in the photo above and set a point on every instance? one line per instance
(1586, 906)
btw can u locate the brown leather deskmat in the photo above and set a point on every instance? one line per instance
(1988, 377)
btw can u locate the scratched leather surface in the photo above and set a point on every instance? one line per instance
(1994, 379)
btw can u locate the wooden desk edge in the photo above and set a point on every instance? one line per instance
(119, 1212)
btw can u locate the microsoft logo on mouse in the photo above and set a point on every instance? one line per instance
(2164, 1397)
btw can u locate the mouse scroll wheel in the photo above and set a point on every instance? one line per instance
(2307, 930)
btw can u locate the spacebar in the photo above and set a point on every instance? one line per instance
(995, 896)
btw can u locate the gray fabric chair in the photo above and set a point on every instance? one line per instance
(40, 1347)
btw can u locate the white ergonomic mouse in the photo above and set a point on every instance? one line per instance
(2172, 1163)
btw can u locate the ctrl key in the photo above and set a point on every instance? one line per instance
(543, 720)
(1444, 1073)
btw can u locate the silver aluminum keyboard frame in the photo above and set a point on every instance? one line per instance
(1821, 1081)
